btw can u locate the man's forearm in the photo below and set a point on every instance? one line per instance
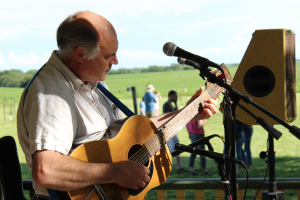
(56, 171)
(61, 172)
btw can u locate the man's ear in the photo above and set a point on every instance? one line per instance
(79, 54)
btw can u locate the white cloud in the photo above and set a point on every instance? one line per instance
(231, 47)
(136, 8)
(140, 55)
(245, 21)
(161, 25)
(131, 59)
(19, 17)
(210, 50)
(2, 63)
(29, 59)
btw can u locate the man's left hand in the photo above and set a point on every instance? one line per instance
(210, 106)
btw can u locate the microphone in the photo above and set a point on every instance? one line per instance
(184, 61)
(198, 142)
(209, 154)
(170, 49)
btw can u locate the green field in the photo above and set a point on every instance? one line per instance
(287, 151)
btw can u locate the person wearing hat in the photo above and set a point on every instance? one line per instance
(150, 100)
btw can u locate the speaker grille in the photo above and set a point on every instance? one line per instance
(290, 76)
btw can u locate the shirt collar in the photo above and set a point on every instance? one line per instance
(75, 82)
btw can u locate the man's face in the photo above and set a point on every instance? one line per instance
(174, 97)
(98, 67)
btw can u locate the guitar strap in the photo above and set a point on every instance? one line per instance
(118, 103)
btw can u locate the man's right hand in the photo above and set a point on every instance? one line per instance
(128, 174)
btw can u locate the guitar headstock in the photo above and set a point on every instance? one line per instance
(214, 90)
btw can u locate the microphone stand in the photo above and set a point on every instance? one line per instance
(229, 147)
(219, 160)
(272, 193)
(229, 105)
(231, 99)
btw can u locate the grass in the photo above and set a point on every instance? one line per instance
(162, 81)
(287, 151)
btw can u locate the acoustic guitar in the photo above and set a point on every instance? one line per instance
(141, 142)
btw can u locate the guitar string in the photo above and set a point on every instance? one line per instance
(149, 147)
(194, 104)
(143, 151)
(172, 128)
(144, 155)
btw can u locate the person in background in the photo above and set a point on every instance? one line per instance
(196, 132)
(142, 107)
(150, 100)
(168, 107)
(243, 134)
(158, 98)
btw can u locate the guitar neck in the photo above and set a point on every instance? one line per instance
(182, 118)
(158, 140)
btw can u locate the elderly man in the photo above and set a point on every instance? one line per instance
(62, 108)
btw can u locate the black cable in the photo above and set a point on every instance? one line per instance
(266, 172)
(243, 164)
(262, 182)
(246, 183)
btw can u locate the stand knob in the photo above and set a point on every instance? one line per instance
(263, 154)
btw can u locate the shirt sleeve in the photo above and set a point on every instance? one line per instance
(50, 124)
(153, 97)
(166, 108)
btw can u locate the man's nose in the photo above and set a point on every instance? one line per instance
(114, 60)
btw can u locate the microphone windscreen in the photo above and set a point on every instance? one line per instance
(181, 60)
(169, 48)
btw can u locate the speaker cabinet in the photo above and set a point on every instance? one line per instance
(267, 74)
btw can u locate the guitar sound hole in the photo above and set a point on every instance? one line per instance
(139, 155)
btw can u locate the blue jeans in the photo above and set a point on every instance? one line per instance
(245, 131)
(248, 132)
(240, 153)
(194, 138)
(171, 143)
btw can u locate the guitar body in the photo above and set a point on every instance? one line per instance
(133, 134)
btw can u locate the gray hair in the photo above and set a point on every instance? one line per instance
(73, 33)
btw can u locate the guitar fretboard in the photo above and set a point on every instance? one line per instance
(155, 143)
(182, 118)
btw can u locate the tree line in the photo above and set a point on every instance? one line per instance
(152, 68)
(18, 78)
(15, 78)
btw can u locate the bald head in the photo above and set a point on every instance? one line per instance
(102, 25)
(83, 29)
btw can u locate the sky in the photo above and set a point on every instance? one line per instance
(219, 30)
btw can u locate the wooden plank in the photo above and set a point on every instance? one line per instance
(199, 194)
(180, 194)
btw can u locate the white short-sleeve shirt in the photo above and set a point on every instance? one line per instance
(57, 111)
